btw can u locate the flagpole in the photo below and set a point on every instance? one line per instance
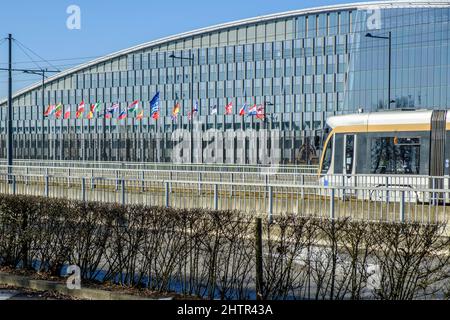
(192, 107)
(104, 134)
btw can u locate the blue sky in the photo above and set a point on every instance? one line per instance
(108, 26)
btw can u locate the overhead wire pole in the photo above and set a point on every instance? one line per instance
(10, 109)
(40, 72)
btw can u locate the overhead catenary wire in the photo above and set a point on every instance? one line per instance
(37, 55)
(29, 57)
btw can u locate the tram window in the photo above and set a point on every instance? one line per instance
(328, 157)
(391, 155)
(349, 153)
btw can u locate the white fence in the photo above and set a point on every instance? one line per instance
(392, 204)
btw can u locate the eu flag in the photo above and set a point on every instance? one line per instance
(154, 104)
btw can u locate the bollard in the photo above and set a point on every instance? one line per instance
(216, 197)
(83, 189)
(47, 191)
(123, 192)
(332, 205)
(167, 199)
(402, 208)
(270, 204)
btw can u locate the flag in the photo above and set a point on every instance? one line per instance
(154, 105)
(214, 110)
(123, 115)
(176, 112)
(155, 115)
(189, 116)
(67, 114)
(261, 114)
(134, 106)
(229, 108)
(140, 116)
(243, 110)
(95, 107)
(195, 108)
(253, 111)
(49, 110)
(80, 110)
(58, 111)
(111, 110)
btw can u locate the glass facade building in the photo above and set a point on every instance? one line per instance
(304, 66)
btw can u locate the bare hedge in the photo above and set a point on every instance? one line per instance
(212, 254)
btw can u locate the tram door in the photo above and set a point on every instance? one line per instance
(349, 162)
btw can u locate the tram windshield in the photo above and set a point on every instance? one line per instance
(327, 157)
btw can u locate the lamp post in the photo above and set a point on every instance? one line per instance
(389, 38)
(191, 59)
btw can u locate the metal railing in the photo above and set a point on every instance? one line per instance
(375, 182)
(422, 205)
(295, 169)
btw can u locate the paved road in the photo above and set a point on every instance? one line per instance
(8, 294)
(20, 295)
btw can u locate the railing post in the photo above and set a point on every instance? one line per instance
(68, 177)
(123, 192)
(402, 207)
(434, 203)
(199, 183)
(270, 204)
(343, 188)
(14, 185)
(332, 204)
(259, 260)
(27, 173)
(83, 189)
(232, 182)
(117, 180)
(387, 190)
(143, 182)
(216, 197)
(47, 191)
(167, 195)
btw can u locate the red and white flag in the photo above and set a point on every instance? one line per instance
(261, 114)
(229, 108)
(67, 114)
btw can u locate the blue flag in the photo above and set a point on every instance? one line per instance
(154, 104)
